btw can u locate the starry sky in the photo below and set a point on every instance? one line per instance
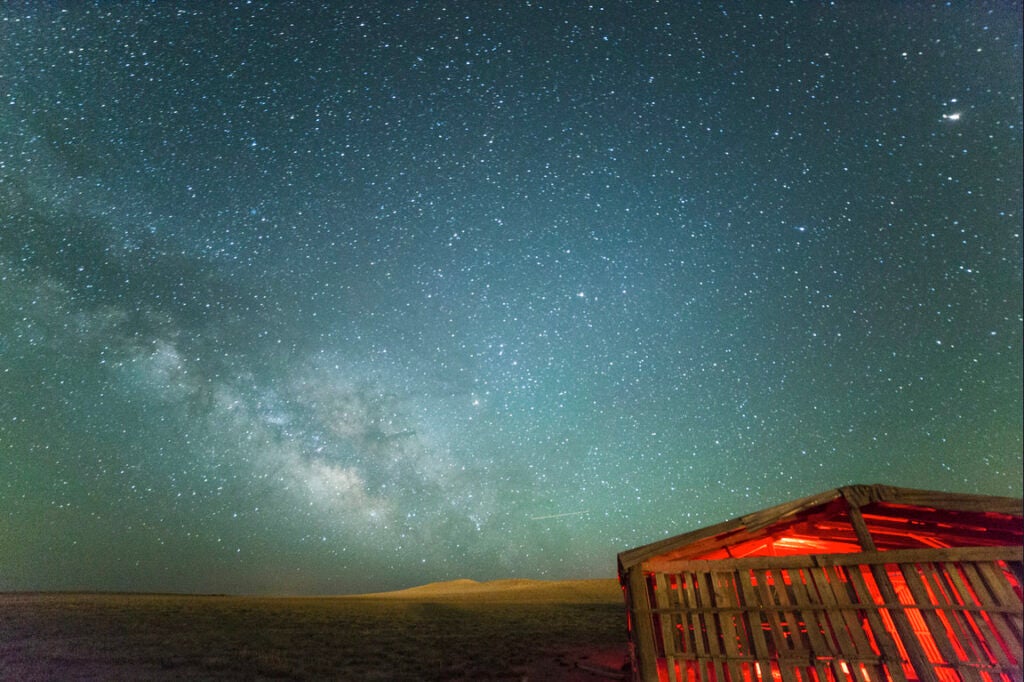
(328, 297)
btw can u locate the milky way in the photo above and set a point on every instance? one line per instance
(311, 298)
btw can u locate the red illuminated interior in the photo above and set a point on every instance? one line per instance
(829, 530)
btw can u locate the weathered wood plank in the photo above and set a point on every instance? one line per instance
(986, 639)
(719, 668)
(725, 595)
(643, 626)
(774, 614)
(840, 586)
(989, 584)
(706, 587)
(696, 618)
(936, 627)
(937, 579)
(918, 658)
(755, 616)
(889, 650)
(896, 556)
(828, 623)
(667, 614)
(814, 608)
(689, 634)
(793, 646)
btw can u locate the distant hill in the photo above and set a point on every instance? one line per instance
(601, 590)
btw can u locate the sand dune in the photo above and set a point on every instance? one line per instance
(514, 590)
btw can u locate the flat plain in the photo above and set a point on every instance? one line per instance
(571, 631)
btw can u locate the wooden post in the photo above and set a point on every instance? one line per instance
(918, 658)
(643, 627)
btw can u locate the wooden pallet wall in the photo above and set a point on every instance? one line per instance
(932, 615)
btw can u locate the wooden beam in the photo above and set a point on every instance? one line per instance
(853, 501)
(643, 627)
(918, 658)
(1011, 554)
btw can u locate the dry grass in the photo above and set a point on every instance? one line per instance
(510, 630)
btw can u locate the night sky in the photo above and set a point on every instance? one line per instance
(304, 297)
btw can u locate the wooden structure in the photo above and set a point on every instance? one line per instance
(858, 584)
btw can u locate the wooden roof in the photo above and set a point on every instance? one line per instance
(896, 518)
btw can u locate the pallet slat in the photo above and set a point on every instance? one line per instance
(989, 583)
(984, 636)
(890, 652)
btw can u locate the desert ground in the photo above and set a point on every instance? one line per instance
(571, 631)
